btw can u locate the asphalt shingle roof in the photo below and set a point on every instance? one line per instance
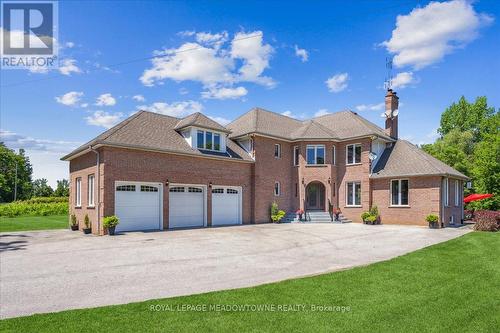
(200, 120)
(405, 159)
(148, 130)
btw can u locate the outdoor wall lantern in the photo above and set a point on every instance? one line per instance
(329, 180)
(210, 184)
(166, 182)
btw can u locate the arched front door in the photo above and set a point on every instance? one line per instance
(315, 196)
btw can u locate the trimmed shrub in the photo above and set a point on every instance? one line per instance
(365, 215)
(110, 221)
(86, 221)
(431, 218)
(276, 214)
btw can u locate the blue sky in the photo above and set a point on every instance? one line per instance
(287, 57)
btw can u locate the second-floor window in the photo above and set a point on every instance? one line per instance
(315, 154)
(277, 150)
(296, 155)
(353, 154)
(208, 140)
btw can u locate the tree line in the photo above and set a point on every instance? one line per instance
(16, 178)
(470, 142)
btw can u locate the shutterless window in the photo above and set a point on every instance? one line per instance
(78, 192)
(399, 192)
(446, 193)
(353, 194)
(277, 150)
(216, 141)
(201, 139)
(208, 140)
(353, 154)
(277, 189)
(334, 156)
(457, 193)
(90, 191)
(315, 154)
(296, 155)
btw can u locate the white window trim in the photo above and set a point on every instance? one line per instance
(90, 190)
(391, 204)
(279, 150)
(353, 153)
(353, 193)
(457, 193)
(334, 155)
(315, 147)
(279, 189)
(446, 192)
(78, 192)
(296, 152)
(213, 140)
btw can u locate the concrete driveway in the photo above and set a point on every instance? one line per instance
(51, 271)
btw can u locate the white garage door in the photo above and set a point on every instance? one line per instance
(186, 206)
(226, 205)
(138, 206)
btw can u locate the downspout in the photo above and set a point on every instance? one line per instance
(98, 188)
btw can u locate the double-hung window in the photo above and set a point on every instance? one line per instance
(353, 154)
(277, 189)
(446, 192)
(399, 192)
(277, 150)
(315, 154)
(90, 191)
(353, 194)
(208, 140)
(296, 155)
(78, 192)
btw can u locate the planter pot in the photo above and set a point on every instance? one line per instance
(111, 231)
(87, 231)
(74, 227)
(300, 217)
(433, 225)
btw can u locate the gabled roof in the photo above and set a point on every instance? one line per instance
(200, 120)
(404, 159)
(153, 131)
(336, 126)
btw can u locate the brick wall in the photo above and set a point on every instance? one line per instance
(423, 198)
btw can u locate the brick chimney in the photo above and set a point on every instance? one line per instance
(391, 121)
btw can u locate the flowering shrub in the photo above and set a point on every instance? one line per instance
(487, 220)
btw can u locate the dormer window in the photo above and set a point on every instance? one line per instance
(208, 140)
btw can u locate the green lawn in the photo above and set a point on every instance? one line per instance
(449, 287)
(25, 223)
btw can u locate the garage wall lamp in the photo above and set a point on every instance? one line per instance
(166, 183)
(303, 181)
(210, 184)
(329, 180)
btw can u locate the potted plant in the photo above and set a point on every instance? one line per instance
(74, 222)
(88, 227)
(276, 214)
(364, 217)
(110, 223)
(300, 212)
(432, 220)
(374, 212)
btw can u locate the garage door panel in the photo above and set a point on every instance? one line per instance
(186, 206)
(136, 208)
(226, 205)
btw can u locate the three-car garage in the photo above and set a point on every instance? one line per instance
(139, 205)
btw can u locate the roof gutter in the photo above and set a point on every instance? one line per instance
(98, 178)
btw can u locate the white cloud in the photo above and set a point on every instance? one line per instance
(224, 93)
(207, 38)
(18, 141)
(183, 91)
(338, 82)
(39, 69)
(104, 119)
(288, 113)
(255, 55)
(138, 98)
(221, 120)
(105, 100)
(68, 66)
(427, 34)
(321, 112)
(84, 105)
(70, 99)
(403, 79)
(175, 109)
(371, 107)
(301, 53)
(69, 45)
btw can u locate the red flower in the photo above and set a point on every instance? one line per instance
(299, 212)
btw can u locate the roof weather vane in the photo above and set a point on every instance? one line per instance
(388, 79)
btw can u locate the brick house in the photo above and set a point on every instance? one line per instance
(159, 172)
